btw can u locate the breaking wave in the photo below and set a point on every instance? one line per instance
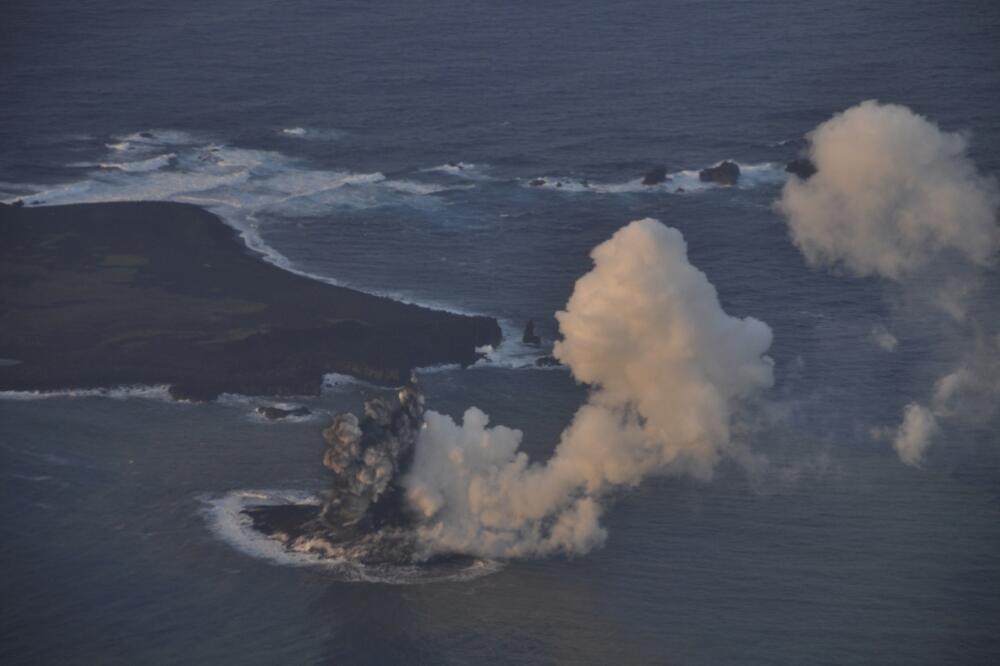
(311, 133)
(247, 188)
(513, 354)
(678, 182)
(464, 170)
(157, 392)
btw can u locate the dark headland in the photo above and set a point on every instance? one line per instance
(110, 294)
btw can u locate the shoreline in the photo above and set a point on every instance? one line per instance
(127, 293)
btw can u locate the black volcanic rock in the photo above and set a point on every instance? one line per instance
(529, 337)
(655, 176)
(98, 295)
(364, 516)
(724, 173)
(801, 167)
(272, 413)
(536, 182)
(546, 362)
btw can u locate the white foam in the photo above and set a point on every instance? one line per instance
(464, 170)
(334, 381)
(157, 392)
(227, 521)
(512, 353)
(687, 180)
(558, 183)
(139, 142)
(311, 133)
(138, 166)
(246, 188)
(423, 189)
(434, 369)
(763, 173)
(260, 418)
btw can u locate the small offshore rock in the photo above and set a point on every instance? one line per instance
(801, 167)
(723, 173)
(272, 413)
(655, 176)
(547, 362)
(530, 337)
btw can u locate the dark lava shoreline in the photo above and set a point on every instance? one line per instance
(109, 294)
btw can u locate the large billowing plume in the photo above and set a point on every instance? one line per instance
(891, 192)
(894, 196)
(666, 366)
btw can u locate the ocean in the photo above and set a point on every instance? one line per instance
(468, 156)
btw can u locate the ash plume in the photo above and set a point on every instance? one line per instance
(365, 456)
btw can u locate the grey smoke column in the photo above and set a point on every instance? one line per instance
(367, 456)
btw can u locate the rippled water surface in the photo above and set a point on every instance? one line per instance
(469, 155)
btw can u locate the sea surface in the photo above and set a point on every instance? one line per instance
(468, 155)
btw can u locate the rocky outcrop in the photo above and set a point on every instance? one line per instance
(530, 337)
(802, 167)
(272, 413)
(724, 173)
(655, 176)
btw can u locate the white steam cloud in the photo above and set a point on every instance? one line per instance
(891, 192)
(667, 367)
(913, 436)
(884, 338)
(970, 391)
(893, 195)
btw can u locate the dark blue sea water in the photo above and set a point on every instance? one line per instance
(392, 147)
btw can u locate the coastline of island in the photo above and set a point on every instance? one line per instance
(126, 293)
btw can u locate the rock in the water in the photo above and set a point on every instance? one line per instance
(536, 182)
(801, 167)
(529, 337)
(546, 362)
(272, 413)
(655, 176)
(723, 173)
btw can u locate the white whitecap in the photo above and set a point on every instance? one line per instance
(146, 392)
(140, 166)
